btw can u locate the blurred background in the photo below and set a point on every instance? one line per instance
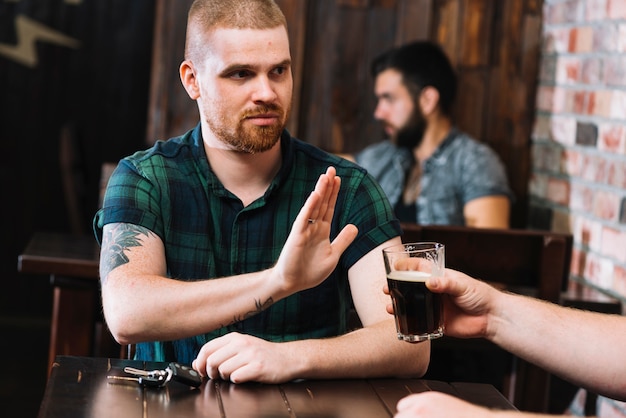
(85, 83)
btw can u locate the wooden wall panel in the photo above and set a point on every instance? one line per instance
(316, 91)
(415, 20)
(514, 70)
(295, 13)
(338, 100)
(477, 22)
(172, 112)
(447, 16)
(471, 102)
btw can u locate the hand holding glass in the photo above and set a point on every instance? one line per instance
(418, 311)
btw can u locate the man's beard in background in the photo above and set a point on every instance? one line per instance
(410, 136)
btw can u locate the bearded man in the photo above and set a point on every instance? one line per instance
(431, 172)
(237, 248)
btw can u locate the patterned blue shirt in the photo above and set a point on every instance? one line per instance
(461, 169)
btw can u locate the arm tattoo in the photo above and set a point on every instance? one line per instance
(119, 239)
(259, 308)
(124, 236)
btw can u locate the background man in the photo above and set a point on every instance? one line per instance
(432, 172)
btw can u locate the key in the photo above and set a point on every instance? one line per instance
(145, 381)
(184, 374)
(145, 378)
(152, 381)
(122, 379)
(160, 377)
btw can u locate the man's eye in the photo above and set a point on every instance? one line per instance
(239, 74)
(280, 70)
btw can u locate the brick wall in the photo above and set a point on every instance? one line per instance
(579, 138)
(578, 181)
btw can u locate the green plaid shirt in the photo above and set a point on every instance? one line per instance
(207, 232)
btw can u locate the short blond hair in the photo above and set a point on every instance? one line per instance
(205, 15)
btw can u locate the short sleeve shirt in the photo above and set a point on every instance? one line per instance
(171, 190)
(460, 170)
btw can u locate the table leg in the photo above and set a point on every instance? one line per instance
(72, 327)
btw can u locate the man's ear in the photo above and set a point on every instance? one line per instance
(189, 80)
(429, 100)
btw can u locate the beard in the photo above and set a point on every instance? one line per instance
(411, 134)
(247, 138)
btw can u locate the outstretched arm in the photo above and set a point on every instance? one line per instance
(585, 348)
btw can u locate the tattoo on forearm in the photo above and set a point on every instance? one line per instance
(260, 306)
(117, 240)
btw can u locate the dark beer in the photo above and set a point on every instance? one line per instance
(418, 311)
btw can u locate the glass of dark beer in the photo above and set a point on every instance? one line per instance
(417, 310)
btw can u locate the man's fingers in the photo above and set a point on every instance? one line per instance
(328, 210)
(328, 187)
(345, 238)
(320, 205)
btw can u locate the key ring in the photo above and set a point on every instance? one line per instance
(160, 377)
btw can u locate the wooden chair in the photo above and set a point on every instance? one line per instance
(531, 262)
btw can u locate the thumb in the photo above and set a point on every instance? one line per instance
(345, 238)
(434, 284)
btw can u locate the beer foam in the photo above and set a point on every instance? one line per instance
(409, 275)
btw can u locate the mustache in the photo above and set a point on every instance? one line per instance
(259, 110)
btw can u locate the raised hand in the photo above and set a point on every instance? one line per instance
(309, 256)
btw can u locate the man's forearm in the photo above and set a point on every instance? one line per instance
(367, 352)
(576, 345)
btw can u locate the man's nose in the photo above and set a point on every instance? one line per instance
(264, 90)
(380, 112)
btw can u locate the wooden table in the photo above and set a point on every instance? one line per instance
(71, 262)
(78, 387)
